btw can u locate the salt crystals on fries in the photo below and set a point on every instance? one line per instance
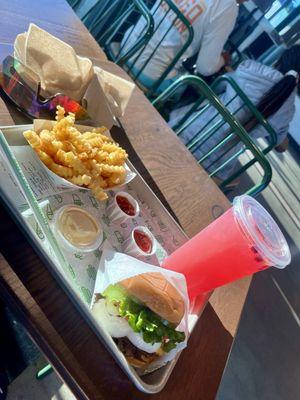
(89, 159)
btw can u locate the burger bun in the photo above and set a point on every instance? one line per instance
(155, 292)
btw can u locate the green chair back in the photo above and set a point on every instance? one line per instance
(222, 153)
(162, 11)
(108, 21)
(84, 7)
(252, 111)
(74, 3)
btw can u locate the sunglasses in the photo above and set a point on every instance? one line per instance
(22, 86)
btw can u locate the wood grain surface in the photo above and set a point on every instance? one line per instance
(41, 304)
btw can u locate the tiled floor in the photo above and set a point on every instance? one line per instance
(265, 359)
(27, 387)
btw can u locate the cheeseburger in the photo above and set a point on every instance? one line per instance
(141, 314)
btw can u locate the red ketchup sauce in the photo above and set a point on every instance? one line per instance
(125, 205)
(143, 241)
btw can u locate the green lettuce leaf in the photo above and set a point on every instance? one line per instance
(141, 319)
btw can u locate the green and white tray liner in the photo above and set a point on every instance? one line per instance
(25, 181)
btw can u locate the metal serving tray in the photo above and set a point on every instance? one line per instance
(34, 216)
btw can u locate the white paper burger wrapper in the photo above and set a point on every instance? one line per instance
(23, 152)
(115, 267)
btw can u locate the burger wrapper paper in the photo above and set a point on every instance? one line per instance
(115, 267)
(33, 167)
(105, 94)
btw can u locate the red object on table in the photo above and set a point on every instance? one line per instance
(143, 241)
(125, 205)
(244, 240)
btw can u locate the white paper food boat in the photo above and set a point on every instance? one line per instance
(64, 184)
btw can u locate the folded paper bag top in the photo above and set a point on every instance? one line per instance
(46, 55)
(97, 105)
(106, 94)
(117, 90)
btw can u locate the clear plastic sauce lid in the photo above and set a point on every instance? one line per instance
(262, 230)
(77, 228)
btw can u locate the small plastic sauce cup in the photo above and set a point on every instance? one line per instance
(136, 241)
(77, 229)
(123, 207)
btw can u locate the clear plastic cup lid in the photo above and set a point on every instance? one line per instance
(262, 230)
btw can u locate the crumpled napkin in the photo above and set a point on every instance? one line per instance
(59, 69)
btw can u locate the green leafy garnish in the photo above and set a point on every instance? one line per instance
(115, 293)
(142, 319)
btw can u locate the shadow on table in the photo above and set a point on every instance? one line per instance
(264, 362)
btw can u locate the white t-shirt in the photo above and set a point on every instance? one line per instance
(212, 22)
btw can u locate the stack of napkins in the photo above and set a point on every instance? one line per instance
(61, 70)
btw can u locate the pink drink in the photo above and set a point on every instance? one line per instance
(244, 240)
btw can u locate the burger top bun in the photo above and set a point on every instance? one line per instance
(154, 291)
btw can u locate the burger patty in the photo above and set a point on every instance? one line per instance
(136, 357)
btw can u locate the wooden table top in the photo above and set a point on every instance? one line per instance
(41, 304)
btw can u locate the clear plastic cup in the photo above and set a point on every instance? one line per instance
(242, 241)
(131, 247)
(76, 229)
(116, 213)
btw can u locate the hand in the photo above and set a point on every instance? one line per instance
(228, 68)
(282, 147)
(227, 57)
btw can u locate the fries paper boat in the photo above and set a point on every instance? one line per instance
(64, 184)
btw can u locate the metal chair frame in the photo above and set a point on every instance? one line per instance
(107, 17)
(251, 107)
(235, 129)
(178, 18)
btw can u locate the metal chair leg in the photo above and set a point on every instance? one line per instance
(42, 373)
